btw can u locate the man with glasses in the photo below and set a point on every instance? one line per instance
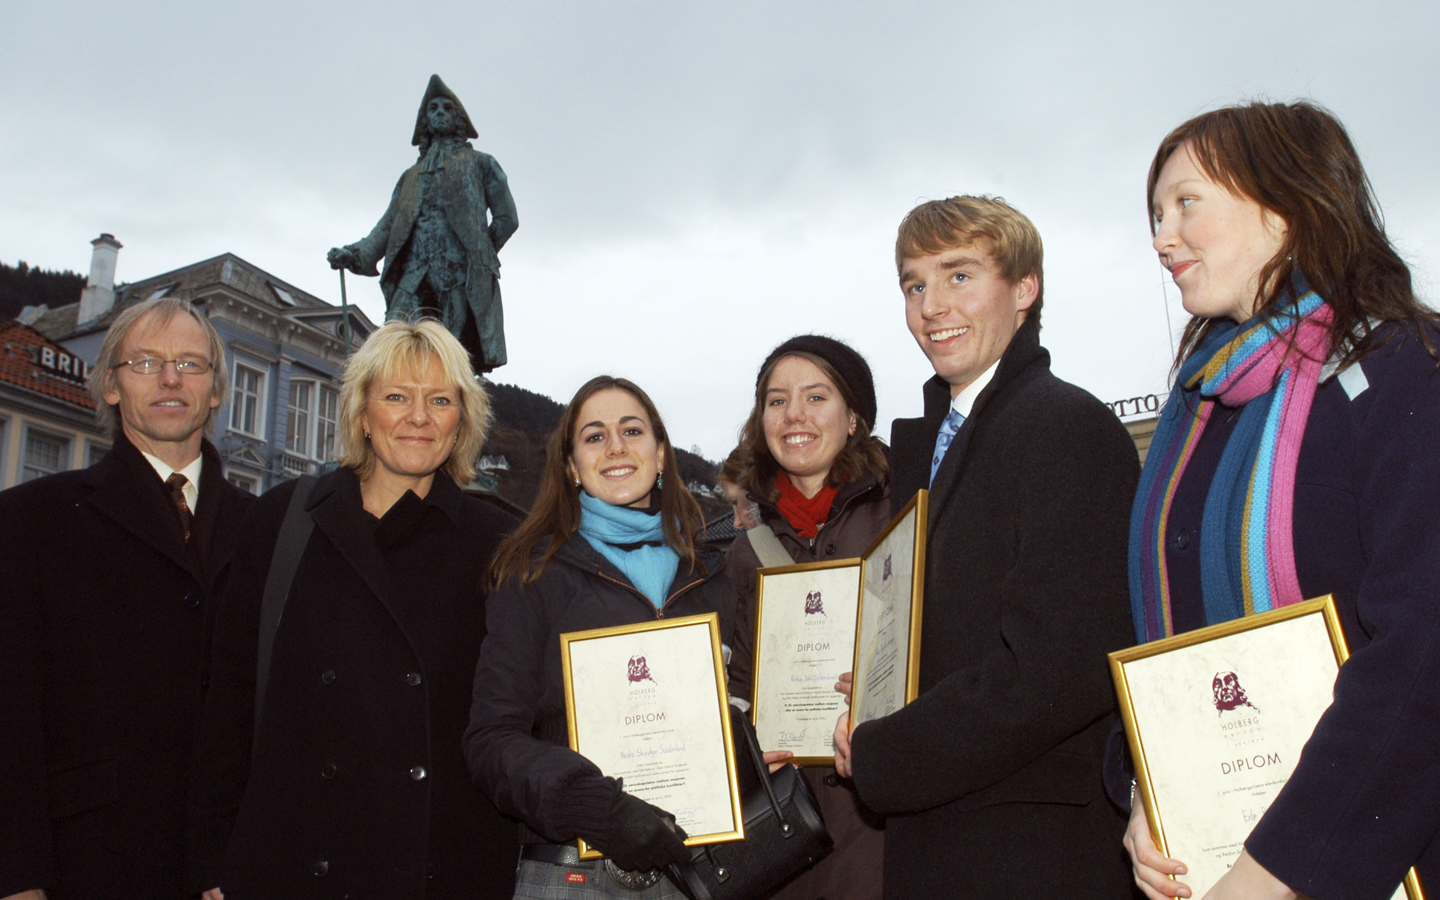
(106, 580)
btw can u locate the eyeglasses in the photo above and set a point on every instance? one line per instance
(154, 365)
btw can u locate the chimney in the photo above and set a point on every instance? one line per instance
(99, 293)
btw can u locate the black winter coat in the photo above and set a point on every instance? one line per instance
(518, 744)
(105, 614)
(991, 778)
(358, 787)
(860, 512)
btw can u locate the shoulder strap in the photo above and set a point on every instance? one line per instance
(768, 547)
(289, 547)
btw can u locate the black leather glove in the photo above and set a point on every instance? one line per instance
(643, 837)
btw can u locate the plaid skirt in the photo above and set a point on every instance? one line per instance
(583, 881)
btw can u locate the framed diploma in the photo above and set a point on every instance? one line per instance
(648, 703)
(1216, 719)
(804, 640)
(887, 634)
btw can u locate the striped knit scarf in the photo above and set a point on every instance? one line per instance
(1271, 366)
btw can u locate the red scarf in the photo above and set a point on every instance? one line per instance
(805, 514)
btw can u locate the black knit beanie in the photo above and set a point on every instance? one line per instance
(849, 365)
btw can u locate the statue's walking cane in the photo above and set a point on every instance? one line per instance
(345, 311)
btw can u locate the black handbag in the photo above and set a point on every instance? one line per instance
(784, 834)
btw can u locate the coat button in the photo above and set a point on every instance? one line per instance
(413, 679)
(832, 780)
(429, 870)
(192, 600)
(321, 868)
(1182, 539)
(417, 773)
(328, 771)
(829, 549)
(327, 676)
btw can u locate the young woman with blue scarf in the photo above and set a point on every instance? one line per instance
(1297, 457)
(610, 541)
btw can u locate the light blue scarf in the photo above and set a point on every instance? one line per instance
(650, 567)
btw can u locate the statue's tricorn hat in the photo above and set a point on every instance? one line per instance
(437, 88)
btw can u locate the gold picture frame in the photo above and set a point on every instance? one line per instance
(1258, 714)
(672, 750)
(802, 646)
(885, 680)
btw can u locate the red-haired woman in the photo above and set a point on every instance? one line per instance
(1296, 457)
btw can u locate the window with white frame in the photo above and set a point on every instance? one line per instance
(45, 454)
(327, 421)
(312, 419)
(297, 417)
(247, 400)
(243, 482)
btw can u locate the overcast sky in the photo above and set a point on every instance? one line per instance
(695, 182)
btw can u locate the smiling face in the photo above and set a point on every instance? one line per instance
(1213, 242)
(961, 310)
(164, 414)
(615, 454)
(412, 418)
(806, 421)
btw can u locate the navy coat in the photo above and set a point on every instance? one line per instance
(105, 614)
(990, 779)
(358, 788)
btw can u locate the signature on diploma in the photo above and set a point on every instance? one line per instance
(794, 735)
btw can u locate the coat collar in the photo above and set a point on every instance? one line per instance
(125, 488)
(855, 492)
(1024, 351)
(336, 507)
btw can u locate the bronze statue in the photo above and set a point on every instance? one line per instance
(441, 253)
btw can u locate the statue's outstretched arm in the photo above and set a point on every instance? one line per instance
(363, 256)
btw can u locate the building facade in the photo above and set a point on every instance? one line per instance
(285, 349)
(47, 417)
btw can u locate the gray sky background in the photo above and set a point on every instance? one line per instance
(696, 182)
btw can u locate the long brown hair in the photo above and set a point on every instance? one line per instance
(1297, 161)
(556, 513)
(863, 453)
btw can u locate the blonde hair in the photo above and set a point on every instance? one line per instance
(102, 374)
(399, 346)
(939, 225)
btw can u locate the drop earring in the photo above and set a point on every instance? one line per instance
(659, 478)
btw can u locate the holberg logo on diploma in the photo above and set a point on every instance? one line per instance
(1208, 761)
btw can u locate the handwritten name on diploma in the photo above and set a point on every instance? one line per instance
(1248, 764)
(642, 752)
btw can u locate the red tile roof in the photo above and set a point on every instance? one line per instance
(20, 350)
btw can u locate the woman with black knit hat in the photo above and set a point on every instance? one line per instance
(822, 483)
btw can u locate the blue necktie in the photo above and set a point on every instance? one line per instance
(952, 424)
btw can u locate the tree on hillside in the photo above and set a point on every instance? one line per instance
(22, 286)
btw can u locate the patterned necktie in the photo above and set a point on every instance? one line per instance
(952, 424)
(176, 484)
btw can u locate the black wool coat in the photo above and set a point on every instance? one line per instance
(518, 745)
(358, 788)
(990, 779)
(105, 618)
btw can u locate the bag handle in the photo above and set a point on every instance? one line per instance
(684, 876)
(289, 547)
(752, 743)
(767, 547)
